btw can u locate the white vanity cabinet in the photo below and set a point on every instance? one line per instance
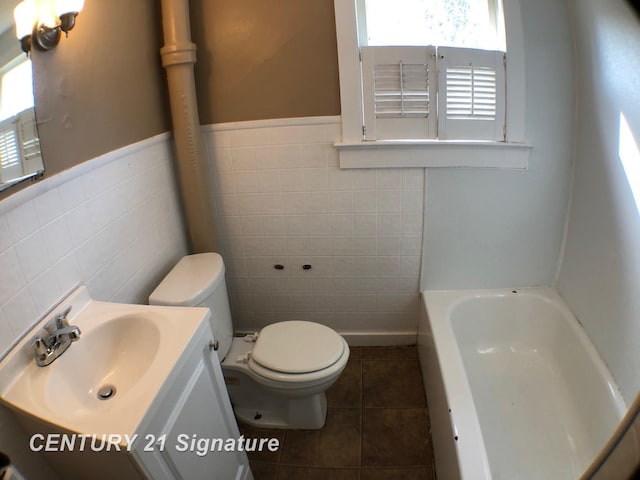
(165, 397)
(194, 414)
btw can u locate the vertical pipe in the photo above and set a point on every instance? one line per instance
(178, 58)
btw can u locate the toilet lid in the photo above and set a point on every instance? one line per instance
(297, 347)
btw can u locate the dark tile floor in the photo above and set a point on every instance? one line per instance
(377, 426)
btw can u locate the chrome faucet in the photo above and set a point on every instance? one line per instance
(55, 338)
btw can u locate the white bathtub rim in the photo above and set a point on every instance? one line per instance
(440, 304)
(470, 448)
(453, 298)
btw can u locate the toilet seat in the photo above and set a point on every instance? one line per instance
(297, 347)
(266, 375)
(297, 352)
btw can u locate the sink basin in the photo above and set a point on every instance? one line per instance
(120, 351)
(107, 380)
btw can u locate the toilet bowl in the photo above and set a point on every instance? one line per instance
(276, 377)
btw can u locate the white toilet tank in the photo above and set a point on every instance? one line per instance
(198, 281)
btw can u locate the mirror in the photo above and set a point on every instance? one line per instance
(20, 154)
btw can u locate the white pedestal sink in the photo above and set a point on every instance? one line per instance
(120, 378)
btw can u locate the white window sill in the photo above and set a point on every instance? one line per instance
(433, 153)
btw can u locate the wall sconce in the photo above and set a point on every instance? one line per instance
(39, 22)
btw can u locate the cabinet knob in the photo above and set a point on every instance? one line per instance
(214, 345)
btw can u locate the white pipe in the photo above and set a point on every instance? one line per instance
(178, 58)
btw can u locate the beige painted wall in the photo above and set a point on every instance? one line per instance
(103, 87)
(260, 59)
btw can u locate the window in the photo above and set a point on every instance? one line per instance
(19, 144)
(447, 23)
(16, 87)
(427, 72)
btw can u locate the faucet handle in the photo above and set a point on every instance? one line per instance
(40, 346)
(61, 318)
(70, 333)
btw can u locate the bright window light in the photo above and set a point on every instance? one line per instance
(630, 156)
(450, 23)
(16, 90)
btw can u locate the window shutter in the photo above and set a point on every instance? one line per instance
(399, 92)
(472, 94)
(29, 141)
(10, 166)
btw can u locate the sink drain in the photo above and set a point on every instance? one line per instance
(106, 392)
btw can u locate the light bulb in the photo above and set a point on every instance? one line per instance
(25, 16)
(68, 6)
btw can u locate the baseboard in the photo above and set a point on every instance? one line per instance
(378, 339)
(367, 339)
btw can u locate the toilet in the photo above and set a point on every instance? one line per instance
(276, 377)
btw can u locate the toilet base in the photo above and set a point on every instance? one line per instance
(307, 413)
(254, 403)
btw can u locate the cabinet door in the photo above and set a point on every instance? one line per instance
(201, 416)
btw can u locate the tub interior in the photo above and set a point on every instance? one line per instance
(545, 403)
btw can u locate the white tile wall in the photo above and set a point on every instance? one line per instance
(282, 199)
(116, 228)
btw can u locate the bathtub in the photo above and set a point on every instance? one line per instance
(515, 388)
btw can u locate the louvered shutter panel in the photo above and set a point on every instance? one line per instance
(399, 92)
(471, 97)
(10, 166)
(29, 141)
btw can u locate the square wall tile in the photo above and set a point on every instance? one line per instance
(293, 180)
(389, 179)
(296, 225)
(319, 224)
(267, 158)
(268, 180)
(365, 245)
(389, 224)
(241, 138)
(20, 312)
(293, 203)
(413, 178)
(32, 255)
(221, 160)
(342, 245)
(6, 335)
(365, 179)
(22, 221)
(12, 276)
(48, 206)
(341, 202)
(5, 236)
(316, 179)
(342, 225)
(366, 265)
(317, 202)
(365, 201)
(389, 201)
(313, 156)
(273, 225)
(290, 156)
(56, 238)
(340, 180)
(246, 182)
(270, 203)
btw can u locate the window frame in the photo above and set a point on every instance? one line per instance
(355, 152)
